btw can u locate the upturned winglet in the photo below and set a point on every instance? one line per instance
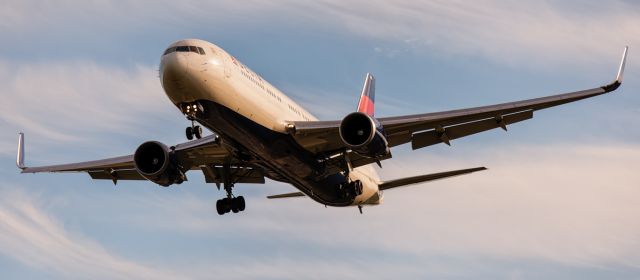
(618, 81)
(20, 157)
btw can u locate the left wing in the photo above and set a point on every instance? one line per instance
(441, 127)
(206, 154)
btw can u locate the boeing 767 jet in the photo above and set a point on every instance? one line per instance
(261, 133)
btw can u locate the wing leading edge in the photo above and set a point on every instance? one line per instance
(440, 127)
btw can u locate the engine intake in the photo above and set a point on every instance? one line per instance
(156, 163)
(361, 133)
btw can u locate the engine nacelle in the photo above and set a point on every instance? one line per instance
(156, 163)
(363, 135)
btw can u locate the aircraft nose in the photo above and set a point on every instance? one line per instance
(174, 67)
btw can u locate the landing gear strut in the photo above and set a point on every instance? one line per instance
(229, 203)
(351, 189)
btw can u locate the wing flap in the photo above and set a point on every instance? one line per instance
(213, 174)
(428, 138)
(125, 174)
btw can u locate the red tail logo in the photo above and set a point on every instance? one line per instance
(367, 97)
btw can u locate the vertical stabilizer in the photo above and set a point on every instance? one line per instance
(368, 95)
(20, 157)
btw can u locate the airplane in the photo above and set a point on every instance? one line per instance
(259, 132)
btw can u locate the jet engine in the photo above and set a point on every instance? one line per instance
(363, 135)
(156, 163)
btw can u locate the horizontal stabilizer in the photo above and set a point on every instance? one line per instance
(426, 178)
(286, 195)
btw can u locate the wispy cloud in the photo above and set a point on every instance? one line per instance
(571, 204)
(77, 102)
(510, 32)
(519, 33)
(36, 239)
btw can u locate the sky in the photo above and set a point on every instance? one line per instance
(561, 198)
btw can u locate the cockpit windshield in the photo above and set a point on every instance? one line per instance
(194, 49)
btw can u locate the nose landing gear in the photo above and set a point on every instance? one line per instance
(192, 111)
(193, 131)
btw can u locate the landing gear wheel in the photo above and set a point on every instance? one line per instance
(227, 204)
(359, 187)
(220, 207)
(241, 203)
(197, 131)
(189, 133)
(234, 205)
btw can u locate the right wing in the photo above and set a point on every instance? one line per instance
(441, 127)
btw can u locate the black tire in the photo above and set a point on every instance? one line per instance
(241, 203)
(342, 190)
(234, 205)
(189, 133)
(220, 207)
(227, 204)
(197, 132)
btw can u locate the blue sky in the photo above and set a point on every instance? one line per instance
(560, 199)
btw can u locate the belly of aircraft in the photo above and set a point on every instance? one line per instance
(277, 151)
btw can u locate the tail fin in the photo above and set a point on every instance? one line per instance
(368, 96)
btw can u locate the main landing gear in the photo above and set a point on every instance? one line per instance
(350, 190)
(229, 203)
(192, 110)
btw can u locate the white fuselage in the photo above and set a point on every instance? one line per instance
(218, 77)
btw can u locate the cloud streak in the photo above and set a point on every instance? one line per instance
(36, 239)
(517, 33)
(80, 102)
(523, 34)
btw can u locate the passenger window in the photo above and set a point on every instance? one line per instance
(201, 50)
